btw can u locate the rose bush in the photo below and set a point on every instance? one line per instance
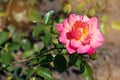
(80, 34)
(30, 49)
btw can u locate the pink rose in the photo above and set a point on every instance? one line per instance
(80, 34)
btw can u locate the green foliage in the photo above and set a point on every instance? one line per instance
(17, 36)
(33, 15)
(26, 44)
(85, 69)
(11, 28)
(80, 7)
(47, 37)
(37, 30)
(30, 72)
(88, 73)
(36, 47)
(104, 28)
(60, 63)
(45, 73)
(6, 58)
(28, 53)
(105, 18)
(3, 36)
(73, 59)
(116, 25)
(94, 56)
(104, 24)
(14, 46)
(48, 16)
(66, 7)
(90, 12)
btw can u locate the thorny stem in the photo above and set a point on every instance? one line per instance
(26, 60)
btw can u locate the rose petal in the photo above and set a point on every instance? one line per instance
(97, 39)
(70, 49)
(63, 40)
(93, 24)
(90, 51)
(65, 23)
(72, 19)
(59, 27)
(84, 18)
(75, 43)
(83, 49)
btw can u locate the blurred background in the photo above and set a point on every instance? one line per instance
(107, 66)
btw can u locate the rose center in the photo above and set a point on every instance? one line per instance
(79, 31)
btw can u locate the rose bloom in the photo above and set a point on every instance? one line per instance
(80, 34)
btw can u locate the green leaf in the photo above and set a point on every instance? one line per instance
(37, 30)
(43, 50)
(55, 40)
(94, 56)
(80, 7)
(54, 30)
(88, 73)
(33, 15)
(47, 37)
(45, 73)
(11, 28)
(60, 46)
(36, 47)
(78, 63)
(18, 71)
(26, 44)
(66, 8)
(73, 60)
(61, 19)
(85, 69)
(33, 62)
(116, 25)
(30, 72)
(105, 18)
(91, 12)
(104, 28)
(42, 58)
(28, 53)
(3, 37)
(17, 36)
(99, 3)
(48, 58)
(13, 46)
(64, 51)
(60, 63)
(11, 68)
(6, 58)
(48, 16)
